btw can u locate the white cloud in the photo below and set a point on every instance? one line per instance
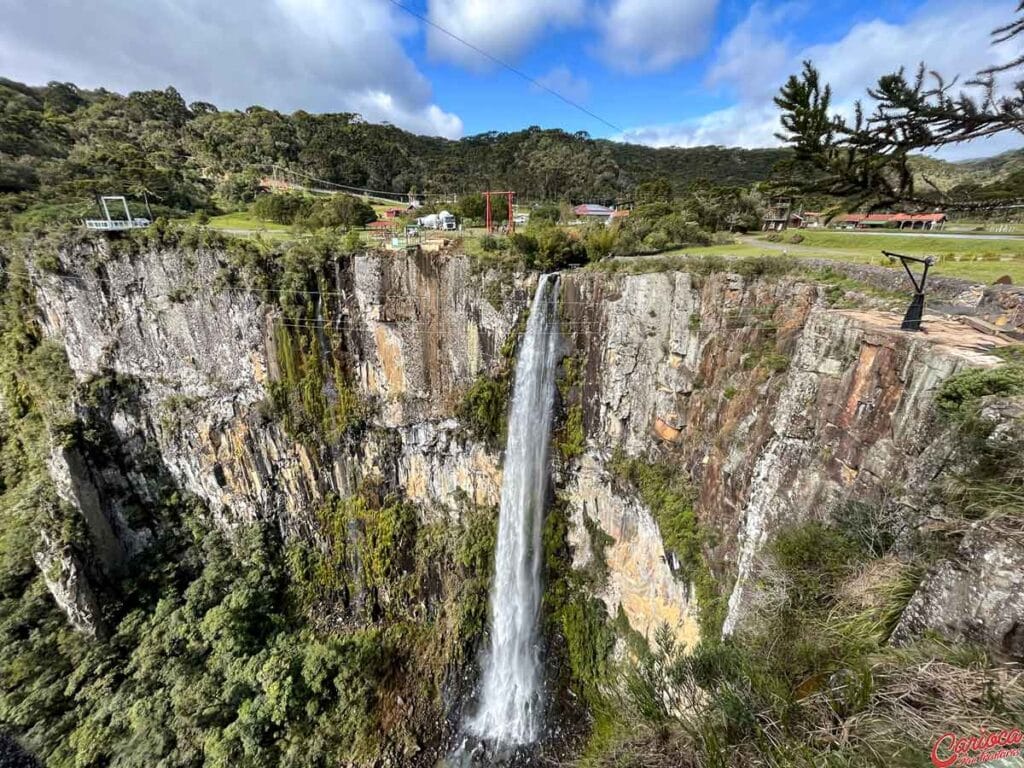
(563, 81)
(737, 126)
(504, 29)
(950, 39)
(318, 55)
(749, 59)
(652, 35)
(755, 59)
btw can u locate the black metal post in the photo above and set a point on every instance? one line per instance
(915, 312)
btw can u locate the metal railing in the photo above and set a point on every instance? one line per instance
(116, 224)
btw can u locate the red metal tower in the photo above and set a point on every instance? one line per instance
(509, 196)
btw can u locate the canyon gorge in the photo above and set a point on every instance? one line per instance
(354, 408)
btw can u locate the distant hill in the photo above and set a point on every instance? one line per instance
(61, 143)
(967, 174)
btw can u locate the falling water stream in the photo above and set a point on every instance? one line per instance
(509, 712)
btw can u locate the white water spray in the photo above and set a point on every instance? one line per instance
(510, 697)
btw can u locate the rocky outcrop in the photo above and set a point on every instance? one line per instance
(977, 596)
(977, 593)
(424, 330)
(854, 423)
(204, 356)
(640, 582)
(68, 582)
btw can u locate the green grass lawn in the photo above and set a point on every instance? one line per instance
(983, 226)
(245, 220)
(251, 226)
(910, 244)
(980, 260)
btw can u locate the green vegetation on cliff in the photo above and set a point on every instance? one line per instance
(225, 652)
(810, 679)
(313, 396)
(811, 675)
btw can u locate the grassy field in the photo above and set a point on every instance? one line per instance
(911, 244)
(246, 224)
(985, 226)
(983, 260)
(245, 220)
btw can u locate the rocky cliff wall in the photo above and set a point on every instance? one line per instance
(776, 408)
(780, 410)
(204, 356)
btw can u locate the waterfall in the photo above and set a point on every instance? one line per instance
(509, 711)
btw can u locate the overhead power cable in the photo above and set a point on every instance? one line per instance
(343, 187)
(506, 65)
(242, 290)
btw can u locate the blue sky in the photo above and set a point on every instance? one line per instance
(492, 99)
(664, 72)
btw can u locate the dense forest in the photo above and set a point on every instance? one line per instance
(59, 145)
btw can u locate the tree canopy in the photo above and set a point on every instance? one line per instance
(60, 145)
(870, 159)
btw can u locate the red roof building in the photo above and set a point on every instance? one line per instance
(592, 209)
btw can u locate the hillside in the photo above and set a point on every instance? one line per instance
(61, 144)
(969, 175)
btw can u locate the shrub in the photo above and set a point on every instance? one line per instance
(549, 212)
(557, 249)
(571, 610)
(282, 208)
(572, 440)
(484, 408)
(352, 242)
(336, 211)
(657, 241)
(600, 241)
(959, 393)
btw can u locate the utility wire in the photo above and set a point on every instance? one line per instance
(505, 64)
(244, 290)
(428, 327)
(343, 187)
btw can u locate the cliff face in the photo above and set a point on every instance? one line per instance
(204, 357)
(776, 408)
(780, 409)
